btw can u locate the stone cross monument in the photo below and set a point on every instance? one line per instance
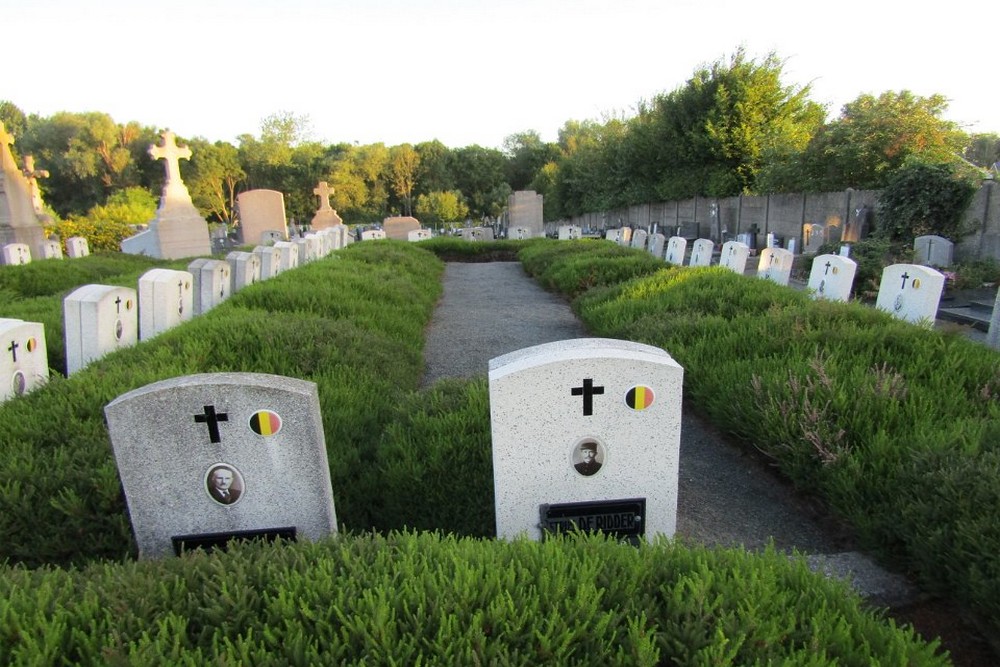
(18, 221)
(326, 216)
(32, 175)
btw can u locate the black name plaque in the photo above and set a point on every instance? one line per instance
(622, 519)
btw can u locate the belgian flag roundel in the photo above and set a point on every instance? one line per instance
(639, 397)
(265, 422)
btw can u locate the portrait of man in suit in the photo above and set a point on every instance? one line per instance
(589, 457)
(224, 484)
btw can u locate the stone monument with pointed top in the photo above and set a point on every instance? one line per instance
(18, 221)
(178, 230)
(326, 216)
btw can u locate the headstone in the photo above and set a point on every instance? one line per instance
(790, 245)
(910, 292)
(77, 246)
(166, 299)
(52, 249)
(98, 320)
(831, 277)
(325, 217)
(212, 283)
(244, 269)
(656, 244)
(639, 237)
(845, 251)
(418, 235)
(525, 209)
(205, 459)
(613, 235)
(16, 253)
(477, 234)
(569, 232)
(813, 236)
(306, 248)
(771, 241)
(626, 236)
(269, 259)
(676, 247)
(178, 230)
(701, 252)
(289, 254)
(775, 265)
(399, 228)
(734, 256)
(19, 223)
(520, 233)
(25, 363)
(270, 237)
(373, 235)
(934, 251)
(261, 211)
(602, 455)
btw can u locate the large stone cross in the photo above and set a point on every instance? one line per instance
(172, 153)
(33, 175)
(324, 191)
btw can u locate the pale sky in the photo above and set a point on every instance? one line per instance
(467, 72)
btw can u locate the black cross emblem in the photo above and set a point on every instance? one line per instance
(13, 349)
(212, 419)
(118, 305)
(906, 276)
(827, 269)
(588, 390)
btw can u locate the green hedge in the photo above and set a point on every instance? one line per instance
(412, 599)
(894, 426)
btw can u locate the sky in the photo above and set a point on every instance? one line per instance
(468, 72)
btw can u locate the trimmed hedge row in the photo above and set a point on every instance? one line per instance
(411, 599)
(895, 427)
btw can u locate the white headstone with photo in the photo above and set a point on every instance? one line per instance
(269, 259)
(477, 234)
(933, 251)
(25, 362)
(16, 253)
(372, 235)
(98, 320)
(520, 233)
(701, 252)
(569, 232)
(166, 299)
(244, 267)
(676, 247)
(52, 249)
(910, 292)
(77, 246)
(831, 277)
(207, 458)
(657, 242)
(418, 235)
(213, 283)
(586, 432)
(614, 235)
(775, 265)
(734, 256)
(289, 251)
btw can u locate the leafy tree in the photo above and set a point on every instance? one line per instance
(479, 175)
(873, 138)
(216, 174)
(434, 171)
(924, 199)
(526, 154)
(983, 150)
(403, 164)
(438, 207)
(13, 118)
(106, 225)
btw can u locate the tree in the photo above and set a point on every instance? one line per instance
(873, 138)
(526, 154)
(13, 118)
(434, 171)
(479, 175)
(216, 174)
(438, 207)
(403, 164)
(923, 199)
(983, 150)
(106, 225)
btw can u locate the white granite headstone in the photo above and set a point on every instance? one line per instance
(372, 235)
(626, 236)
(212, 283)
(734, 256)
(244, 269)
(418, 235)
(593, 421)
(613, 235)
(831, 277)
(775, 265)
(98, 320)
(476, 234)
(25, 362)
(520, 233)
(657, 242)
(639, 238)
(16, 253)
(77, 246)
(52, 249)
(269, 259)
(701, 253)
(206, 458)
(676, 247)
(166, 299)
(933, 251)
(845, 251)
(569, 232)
(289, 254)
(910, 292)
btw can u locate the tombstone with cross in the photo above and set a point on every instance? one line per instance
(244, 268)
(701, 252)
(586, 434)
(734, 256)
(326, 216)
(910, 292)
(166, 299)
(77, 246)
(205, 459)
(676, 247)
(24, 363)
(831, 277)
(52, 249)
(639, 238)
(15, 254)
(98, 320)
(212, 283)
(776, 265)
(656, 244)
(288, 251)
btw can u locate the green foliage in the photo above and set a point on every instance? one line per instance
(976, 273)
(429, 599)
(573, 267)
(923, 199)
(438, 207)
(105, 226)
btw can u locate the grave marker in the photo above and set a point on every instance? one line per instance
(244, 269)
(701, 253)
(77, 246)
(521, 233)
(399, 227)
(269, 259)
(831, 277)
(52, 249)
(166, 299)
(676, 247)
(567, 233)
(604, 451)
(910, 292)
(16, 253)
(24, 362)
(372, 235)
(207, 458)
(98, 320)
(734, 256)
(626, 236)
(212, 283)
(775, 265)
(639, 238)
(657, 242)
(262, 216)
(933, 250)
(418, 235)
(289, 252)
(326, 216)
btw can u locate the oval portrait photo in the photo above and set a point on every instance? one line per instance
(224, 484)
(588, 457)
